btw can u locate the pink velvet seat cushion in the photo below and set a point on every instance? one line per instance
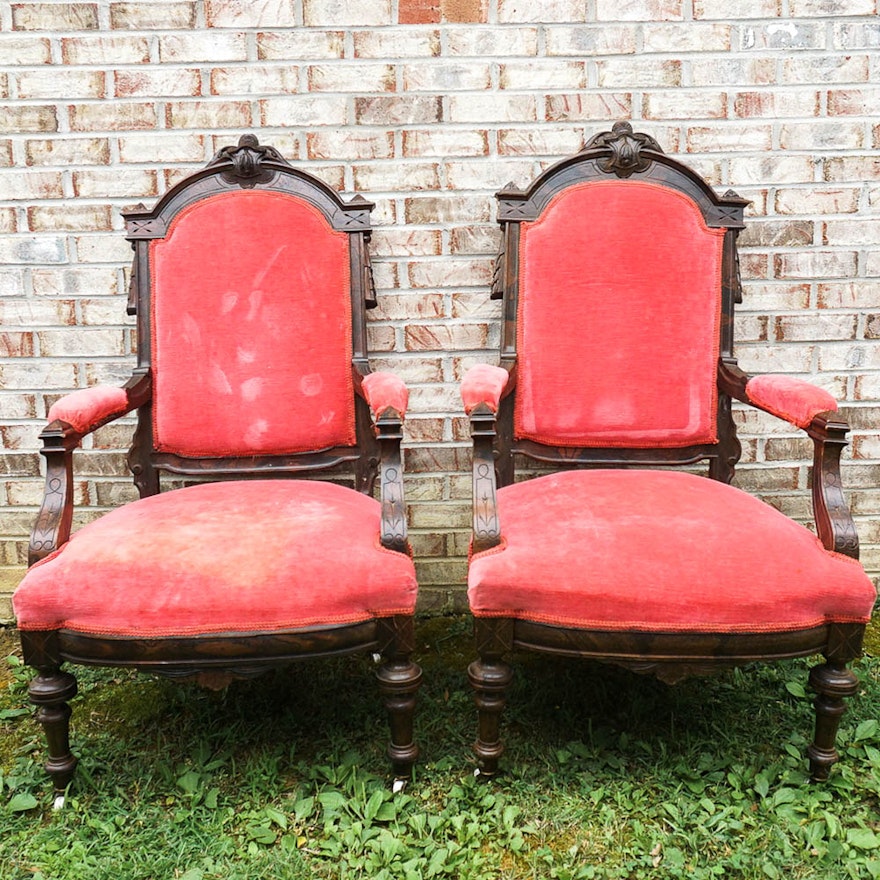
(236, 556)
(659, 551)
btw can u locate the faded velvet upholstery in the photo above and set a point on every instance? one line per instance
(221, 557)
(483, 383)
(623, 550)
(789, 398)
(86, 409)
(385, 391)
(596, 383)
(254, 331)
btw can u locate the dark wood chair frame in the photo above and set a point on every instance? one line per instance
(670, 656)
(214, 660)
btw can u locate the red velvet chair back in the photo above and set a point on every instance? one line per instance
(251, 328)
(250, 284)
(613, 307)
(619, 279)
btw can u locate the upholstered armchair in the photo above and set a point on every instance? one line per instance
(619, 274)
(250, 283)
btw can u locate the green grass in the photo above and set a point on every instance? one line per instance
(608, 775)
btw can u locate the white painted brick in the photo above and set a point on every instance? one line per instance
(850, 233)
(60, 84)
(638, 10)
(202, 47)
(244, 14)
(19, 185)
(482, 42)
(24, 49)
(444, 142)
(685, 104)
(161, 148)
(470, 174)
(67, 150)
(484, 108)
(446, 76)
(339, 78)
(777, 169)
(396, 176)
(686, 37)
(324, 13)
(631, 73)
(546, 140)
(826, 136)
(354, 144)
(722, 71)
(76, 281)
(518, 11)
(106, 51)
(821, 8)
(742, 9)
(602, 40)
(301, 111)
(257, 81)
(543, 75)
(588, 106)
(397, 43)
(157, 81)
(817, 200)
(300, 45)
(119, 183)
(782, 35)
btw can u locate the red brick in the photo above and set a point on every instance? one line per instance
(418, 11)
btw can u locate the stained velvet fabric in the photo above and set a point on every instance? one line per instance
(789, 398)
(662, 552)
(618, 319)
(483, 383)
(244, 556)
(251, 329)
(383, 390)
(86, 409)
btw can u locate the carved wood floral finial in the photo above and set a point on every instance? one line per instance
(626, 149)
(247, 159)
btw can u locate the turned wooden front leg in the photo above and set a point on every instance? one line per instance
(399, 681)
(50, 692)
(833, 683)
(490, 678)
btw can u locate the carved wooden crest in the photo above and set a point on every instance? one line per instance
(247, 161)
(626, 149)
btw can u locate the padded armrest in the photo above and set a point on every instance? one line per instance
(483, 383)
(383, 391)
(791, 399)
(89, 408)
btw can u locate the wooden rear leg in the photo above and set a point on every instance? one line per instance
(399, 681)
(490, 677)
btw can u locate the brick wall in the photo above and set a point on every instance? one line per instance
(428, 107)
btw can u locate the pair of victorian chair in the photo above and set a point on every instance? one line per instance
(618, 274)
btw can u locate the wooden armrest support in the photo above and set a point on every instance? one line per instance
(834, 523)
(827, 429)
(486, 524)
(60, 438)
(387, 397)
(389, 432)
